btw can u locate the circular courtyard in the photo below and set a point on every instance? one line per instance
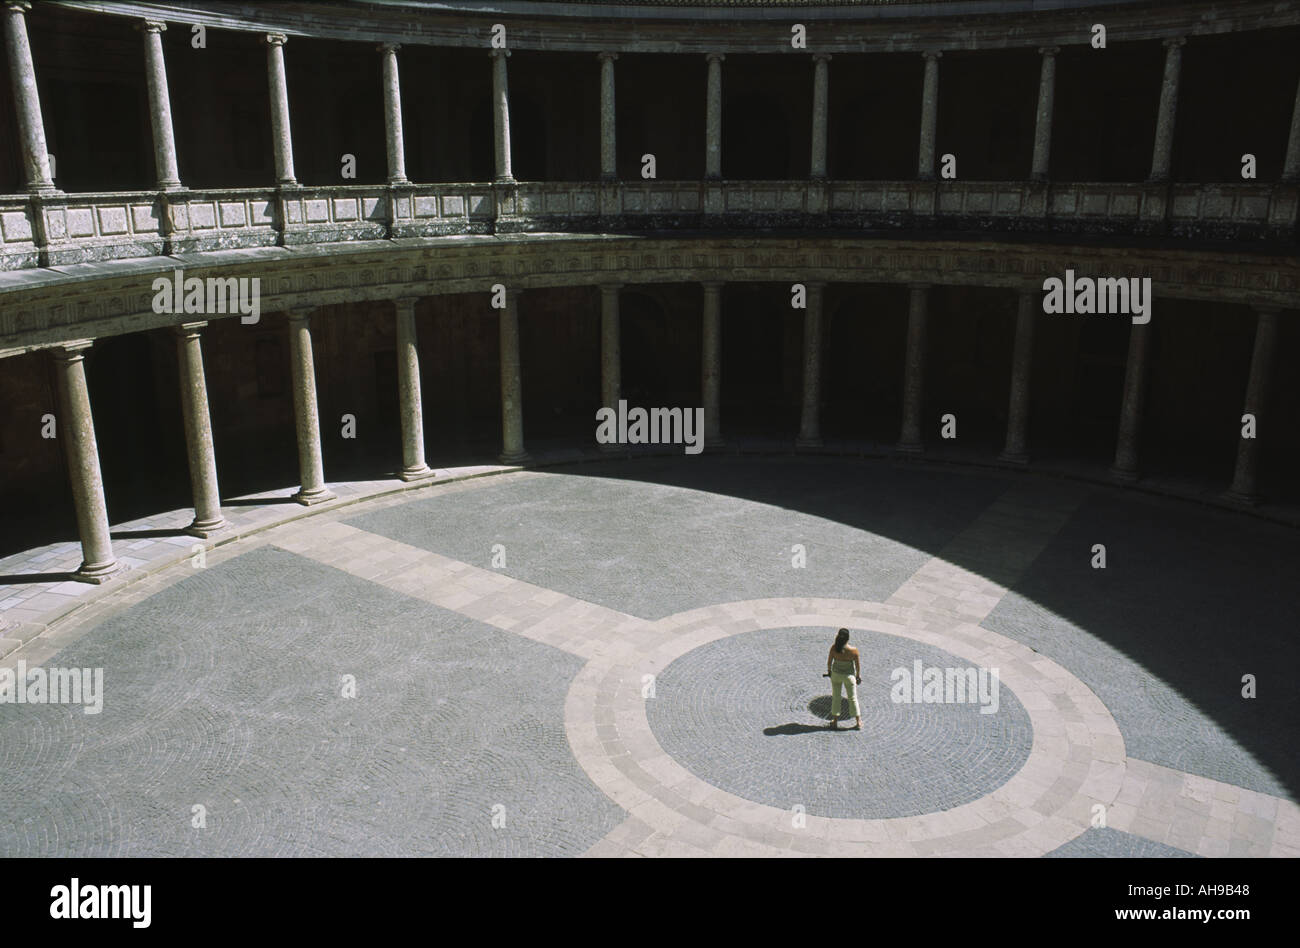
(626, 657)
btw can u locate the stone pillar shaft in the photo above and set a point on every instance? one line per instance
(1125, 467)
(76, 428)
(27, 104)
(713, 118)
(393, 115)
(1245, 475)
(611, 368)
(306, 419)
(281, 137)
(608, 154)
(1043, 117)
(810, 432)
(909, 441)
(1291, 164)
(409, 401)
(512, 396)
(821, 101)
(160, 106)
(929, 115)
(1021, 363)
(711, 363)
(1162, 152)
(501, 115)
(198, 432)
(611, 376)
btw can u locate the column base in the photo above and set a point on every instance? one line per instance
(909, 448)
(803, 441)
(97, 573)
(515, 457)
(420, 473)
(316, 495)
(1123, 475)
(206, 528)
(505, 179)
(1244, 498)
(1018, 458)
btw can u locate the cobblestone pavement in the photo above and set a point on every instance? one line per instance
(621, 676)
(909, 759)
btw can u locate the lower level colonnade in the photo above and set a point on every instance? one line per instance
(915, 426)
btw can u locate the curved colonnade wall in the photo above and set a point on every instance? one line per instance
(471, 313)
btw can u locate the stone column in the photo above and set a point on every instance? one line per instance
(1043, 118)
(929, 115)
(306, 420)
(1243, 487)
(501, 115)
(909, 441)
(160, 106)
(611, 369)
(1164, 145)
(77, 431)
(393, 115)
(408, 393)
(712, 364)
(27, 104)
(512, 394)
(1125, 467)
(281, 139)
(810, 430)
(1021, 362)
(608, 155)
(713, 118)
(1291, 164)
(821, 99)
(198, 432)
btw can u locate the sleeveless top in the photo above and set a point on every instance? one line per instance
(843, 666)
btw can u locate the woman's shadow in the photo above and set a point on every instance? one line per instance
(821, 707)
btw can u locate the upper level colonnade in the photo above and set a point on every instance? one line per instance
(1260, 206)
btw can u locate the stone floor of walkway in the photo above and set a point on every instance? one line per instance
(624, 657)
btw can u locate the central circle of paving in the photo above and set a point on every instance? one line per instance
(748, 714)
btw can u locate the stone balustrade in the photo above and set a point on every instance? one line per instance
(81, 228)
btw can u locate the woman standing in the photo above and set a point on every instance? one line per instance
(845, 669)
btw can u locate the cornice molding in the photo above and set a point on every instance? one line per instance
(73, 306)
(834, 31)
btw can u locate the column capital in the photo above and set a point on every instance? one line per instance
(1269, 311)
(189, 329)
(151, 26)
(405, 303)
(1174, 42)
(607, 57)
(715, 57)
(931, 53)
(611, 287)
(821, 57)
(388, 47)
(275, 39)
(712, 286)
(301, 314)
(1049, 50)
(17, 6)
(498, 53)
(72, 350)
(918, 286)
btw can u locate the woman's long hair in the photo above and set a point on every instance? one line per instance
(841, 639)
